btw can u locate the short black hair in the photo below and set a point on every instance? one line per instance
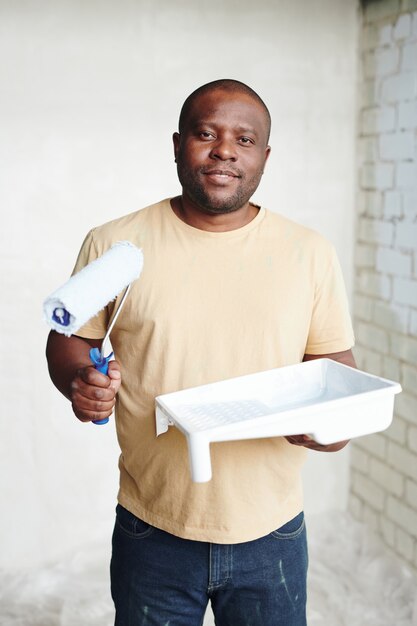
(223, 84)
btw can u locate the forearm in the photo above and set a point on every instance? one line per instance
(346, 357)
(65, 355)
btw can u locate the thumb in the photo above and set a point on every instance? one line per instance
(115, 375)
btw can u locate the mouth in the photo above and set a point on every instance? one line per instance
(220, 176)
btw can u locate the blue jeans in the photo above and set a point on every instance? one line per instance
(158, 579)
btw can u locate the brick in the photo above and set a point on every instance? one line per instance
(405, 291)
(402, 460)
(407, 115)
(369, 93)
(368, 491)
(386, 477)
(398, 430)
(394, 262)
(406, 175)
(404, 347)
(399, 87)
(391, 316)
(378, 176)
(388, 531)
(391, 370)
(410, 204)
(397, 146)
(372, 284)
(376, 231)
(409, 57)
(412, 440)
(359, 459)
(411, 493)
(413, 323)
(384, 34)
(381, 62)
(369, 37)
(372, 362)
(406, 407)
(404, 543)
(402, 28)
(409, 5)
(372, 337)
(392, 204)
(370, 203)
(368, 150)
(376, 444)
(378, 120)
(376, 10)
(409, 378)
(355, 506)
(370, 518)
(359, 353)
(406, 235)
(365, 255)
(376, 35)
(368, 65)
(403, 515)
(363, 308)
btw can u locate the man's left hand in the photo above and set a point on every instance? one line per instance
(308, 442)
(345, 357)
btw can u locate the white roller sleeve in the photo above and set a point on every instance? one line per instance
(92, 288)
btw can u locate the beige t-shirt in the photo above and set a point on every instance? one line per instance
(210, 306)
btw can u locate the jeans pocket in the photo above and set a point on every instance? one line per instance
(292, 529)
(132, 525)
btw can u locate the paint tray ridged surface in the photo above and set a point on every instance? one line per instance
(322, 398)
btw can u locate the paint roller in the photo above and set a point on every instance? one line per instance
(89, 291)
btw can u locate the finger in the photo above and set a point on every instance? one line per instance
(91, 416)
(114, 370)
(296, 440)
(301, 440)
(87, 410)
(115, 375)
(85, 404)
(91, 376)
(80, 389)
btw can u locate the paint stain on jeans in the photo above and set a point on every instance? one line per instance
(284, 582)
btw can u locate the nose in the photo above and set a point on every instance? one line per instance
(224, 149)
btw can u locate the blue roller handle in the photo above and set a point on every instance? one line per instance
(102, 365)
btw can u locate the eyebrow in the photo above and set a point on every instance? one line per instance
(249, 130)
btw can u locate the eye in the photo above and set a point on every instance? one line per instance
(246, 141)
(206, 134)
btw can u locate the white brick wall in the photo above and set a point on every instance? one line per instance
(384, 465)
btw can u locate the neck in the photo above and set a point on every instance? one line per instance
(222, 222)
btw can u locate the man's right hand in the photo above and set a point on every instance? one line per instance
(93, 395)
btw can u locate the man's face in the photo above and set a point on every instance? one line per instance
(221, 151)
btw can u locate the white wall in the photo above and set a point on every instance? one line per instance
(89, 96)
(384, 466)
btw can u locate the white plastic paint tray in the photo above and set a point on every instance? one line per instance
(325, 399)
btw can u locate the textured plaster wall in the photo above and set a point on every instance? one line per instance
(89, 97)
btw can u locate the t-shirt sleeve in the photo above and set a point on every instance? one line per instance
(96, 327)
(331, 325)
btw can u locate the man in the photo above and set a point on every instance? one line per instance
(227, 289)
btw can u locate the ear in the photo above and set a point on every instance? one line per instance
(267, 153)
(176, 138)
